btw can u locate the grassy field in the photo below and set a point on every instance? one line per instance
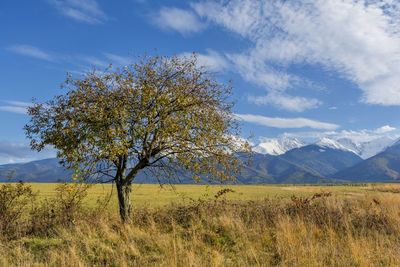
(152, 195)
(187, 226)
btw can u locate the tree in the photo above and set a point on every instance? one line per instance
(162, 114)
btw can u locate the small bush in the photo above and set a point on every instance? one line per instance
(64, 209)
(69, 201)
(15, 201)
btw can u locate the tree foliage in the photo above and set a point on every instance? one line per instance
(161, 114)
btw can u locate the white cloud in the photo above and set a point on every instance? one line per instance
(359, 39)
(117, 59)
(259, 73)
(212, 61)
(13, 152)
(363, 135)
(102, 61)
(255, 70)
(30, 51)
(291, 103)
(15, 107)
(286, 123)
(385, 129)
(18, 103)
(87, 11)
(180, 20)
(94, 61)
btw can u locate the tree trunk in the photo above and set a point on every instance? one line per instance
(124, 190)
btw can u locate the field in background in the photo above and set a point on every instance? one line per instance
(151, 195)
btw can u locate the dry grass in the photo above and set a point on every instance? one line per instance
(152, 195)
(323, 230)
(385, 188)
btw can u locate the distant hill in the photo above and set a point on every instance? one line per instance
(263, 169)
(50, 171)
(284, 160)
(383, 167)
(320, 159)
(47, 170)
(275, 169)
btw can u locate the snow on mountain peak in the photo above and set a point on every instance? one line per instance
(367, 148)
(333, 144)
(364, 148)
(277, 146)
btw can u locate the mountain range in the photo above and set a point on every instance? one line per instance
(363, 148)
(383, 167)
(282, 160)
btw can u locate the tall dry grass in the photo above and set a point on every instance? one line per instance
(323, 230)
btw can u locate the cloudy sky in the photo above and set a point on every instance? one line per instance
(299, 67)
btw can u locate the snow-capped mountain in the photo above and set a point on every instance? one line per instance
(363, 148)
(277, 146)
(326, 142)
(367, 149)
(383, 167)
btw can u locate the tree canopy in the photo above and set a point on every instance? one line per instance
(160, 114)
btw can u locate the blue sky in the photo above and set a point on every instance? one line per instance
(307, 68)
